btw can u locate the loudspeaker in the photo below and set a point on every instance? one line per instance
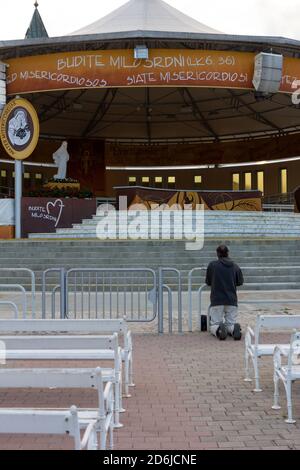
(268, 72)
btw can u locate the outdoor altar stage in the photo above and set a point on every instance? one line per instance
(186, 110)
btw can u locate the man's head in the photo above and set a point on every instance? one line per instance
(222, 251)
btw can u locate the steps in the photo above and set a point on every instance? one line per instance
(40, 255)
(216, 224)
(261, 240)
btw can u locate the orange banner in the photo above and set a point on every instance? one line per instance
(118, 68)
(291, 74)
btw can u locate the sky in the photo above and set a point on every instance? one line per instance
(254, 17)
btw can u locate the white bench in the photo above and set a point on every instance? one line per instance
(96, 327)
(54, 422)
(70, 378)
(254, 349)
(66, 348)
(287, 373)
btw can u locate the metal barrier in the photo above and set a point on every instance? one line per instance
(13, 305)
(190, 296)
(264, 302)
(22, 288)
(134, 293)
(246, 285)
(23, 292)
(163, 286)
(278, 208)
(112, 293)
(251, 302)
(269, 301)
(62, 287)
(53, 302)
(170, 308)
(287, 198)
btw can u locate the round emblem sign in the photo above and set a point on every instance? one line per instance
(19, 128)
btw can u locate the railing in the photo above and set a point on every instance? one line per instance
(163, 286)
(112, 293)
(278, 207)
(190, 296)
(22, 289)
(204, 287)
(61, 279)
(279, 203)
(287, 198)
(138, 294)
(106, 200)
(13, 305)
(7, 192)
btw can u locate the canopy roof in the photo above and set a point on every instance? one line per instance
(165, 115)
(152, 22)
(146, 15)
(158, 115)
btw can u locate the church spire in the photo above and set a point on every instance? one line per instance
(36, 28)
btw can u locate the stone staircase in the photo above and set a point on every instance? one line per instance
(217, 224)
(277, 260)
(269, 242)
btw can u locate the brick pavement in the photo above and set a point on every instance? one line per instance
(189, 394)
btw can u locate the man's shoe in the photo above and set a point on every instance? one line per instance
(222, 332)
(237, 332)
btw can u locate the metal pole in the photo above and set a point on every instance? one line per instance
(180, 322)
(190, 302)
(160, 302)
(18, 197)
(44, 295)
(33, 292)
(13, 305)
(201, 290)
(170, 308)
(63, 294)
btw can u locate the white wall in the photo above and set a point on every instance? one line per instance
(7, 212)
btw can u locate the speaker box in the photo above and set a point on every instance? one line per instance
(268, 72)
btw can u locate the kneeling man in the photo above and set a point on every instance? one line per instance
(224, 276)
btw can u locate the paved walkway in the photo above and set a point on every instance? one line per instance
(189, 394)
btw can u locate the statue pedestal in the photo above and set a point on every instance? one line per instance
(62, 186)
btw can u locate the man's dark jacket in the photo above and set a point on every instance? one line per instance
(224, 276)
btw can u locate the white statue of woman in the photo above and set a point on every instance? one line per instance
(61, 158)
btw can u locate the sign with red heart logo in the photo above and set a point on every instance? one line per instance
(43, 215)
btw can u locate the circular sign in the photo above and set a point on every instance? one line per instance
(19, 129)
